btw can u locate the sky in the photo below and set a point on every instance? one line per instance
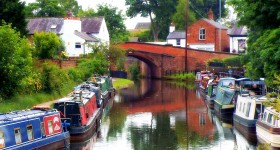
(120, 4)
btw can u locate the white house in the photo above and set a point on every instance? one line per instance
(75, 32)
(237, 38)
(176, 38)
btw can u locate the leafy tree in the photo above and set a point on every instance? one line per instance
(114, 21)
(179, 18)
(15, 61)
(262, 18)
(86, 13)
(197, 9)
(159, 11)
(51, 8)
(12, 11)
(47, 45)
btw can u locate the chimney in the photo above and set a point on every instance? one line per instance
(69, 14)
(210, 14)
(172, 27)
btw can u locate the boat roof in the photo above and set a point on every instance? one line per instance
(23, 114)
(74, 97)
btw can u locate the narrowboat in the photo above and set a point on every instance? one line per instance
(211, 94)
(224, 102)
(268, 127)
(81, 112)
(37, 128)
(249, 105)
(93, 88)
(102, 83)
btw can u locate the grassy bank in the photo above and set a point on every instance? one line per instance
(21, 102)
(119, 83)
(189, 77)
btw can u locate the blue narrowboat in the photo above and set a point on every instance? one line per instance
(37, 128)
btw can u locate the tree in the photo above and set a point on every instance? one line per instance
(51, 8)
(114, 21)
(197, 10)
(179, 18)
(12, 11)
(47, 45)
(262, 18)
(159, 12)
(15, 60)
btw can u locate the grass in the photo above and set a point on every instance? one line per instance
(180, 76)
(119, 83)
(21, 102)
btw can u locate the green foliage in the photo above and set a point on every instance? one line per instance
(197, 9)
(162, 11)
(189, 77)
(51, 8)
(12, 12)
(134, 71)
(47, 45)
(258, 15)
(15, 61)
(268, 60)
(53, 78)
(119, 83)
(144, 36)
(264, 146)
(179, 18)
(114, 21)
(235, 61)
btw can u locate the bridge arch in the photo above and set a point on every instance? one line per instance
(153, 62)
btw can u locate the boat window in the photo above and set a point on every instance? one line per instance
(2, 140)
(248, 109)
(258, 111)
(269, 118)
(17, 135)
(243, 109)
(240, 106)
(264, 116)
(43, 129)
(50, 127)
(29, 132)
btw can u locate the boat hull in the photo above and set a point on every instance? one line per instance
(268, 134)
(210, 101)
(224, 112)
(246, 127)
(83, 133)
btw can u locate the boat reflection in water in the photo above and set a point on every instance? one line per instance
(161, 115)
(242, 142)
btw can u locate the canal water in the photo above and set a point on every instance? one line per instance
(159, 115)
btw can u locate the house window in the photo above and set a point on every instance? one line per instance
(78, 45)
(43, 129)
(178, 42)
(17, 135)
(2, 140)
(202, 34)
(29, 132)
(50, 127)
(241, 46)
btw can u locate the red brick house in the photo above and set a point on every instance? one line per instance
(206, 34)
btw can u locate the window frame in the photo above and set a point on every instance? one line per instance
(78, 45)
(43, 131)
(17, 134)
(32, 133)
(52, 130)
(202, 34)
(2, 145)
(178, 42)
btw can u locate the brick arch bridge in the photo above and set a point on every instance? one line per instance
(163, 58)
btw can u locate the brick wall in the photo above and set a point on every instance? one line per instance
(212, 35)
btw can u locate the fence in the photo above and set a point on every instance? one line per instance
(118, 74)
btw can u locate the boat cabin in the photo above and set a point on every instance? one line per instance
(31, 129)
